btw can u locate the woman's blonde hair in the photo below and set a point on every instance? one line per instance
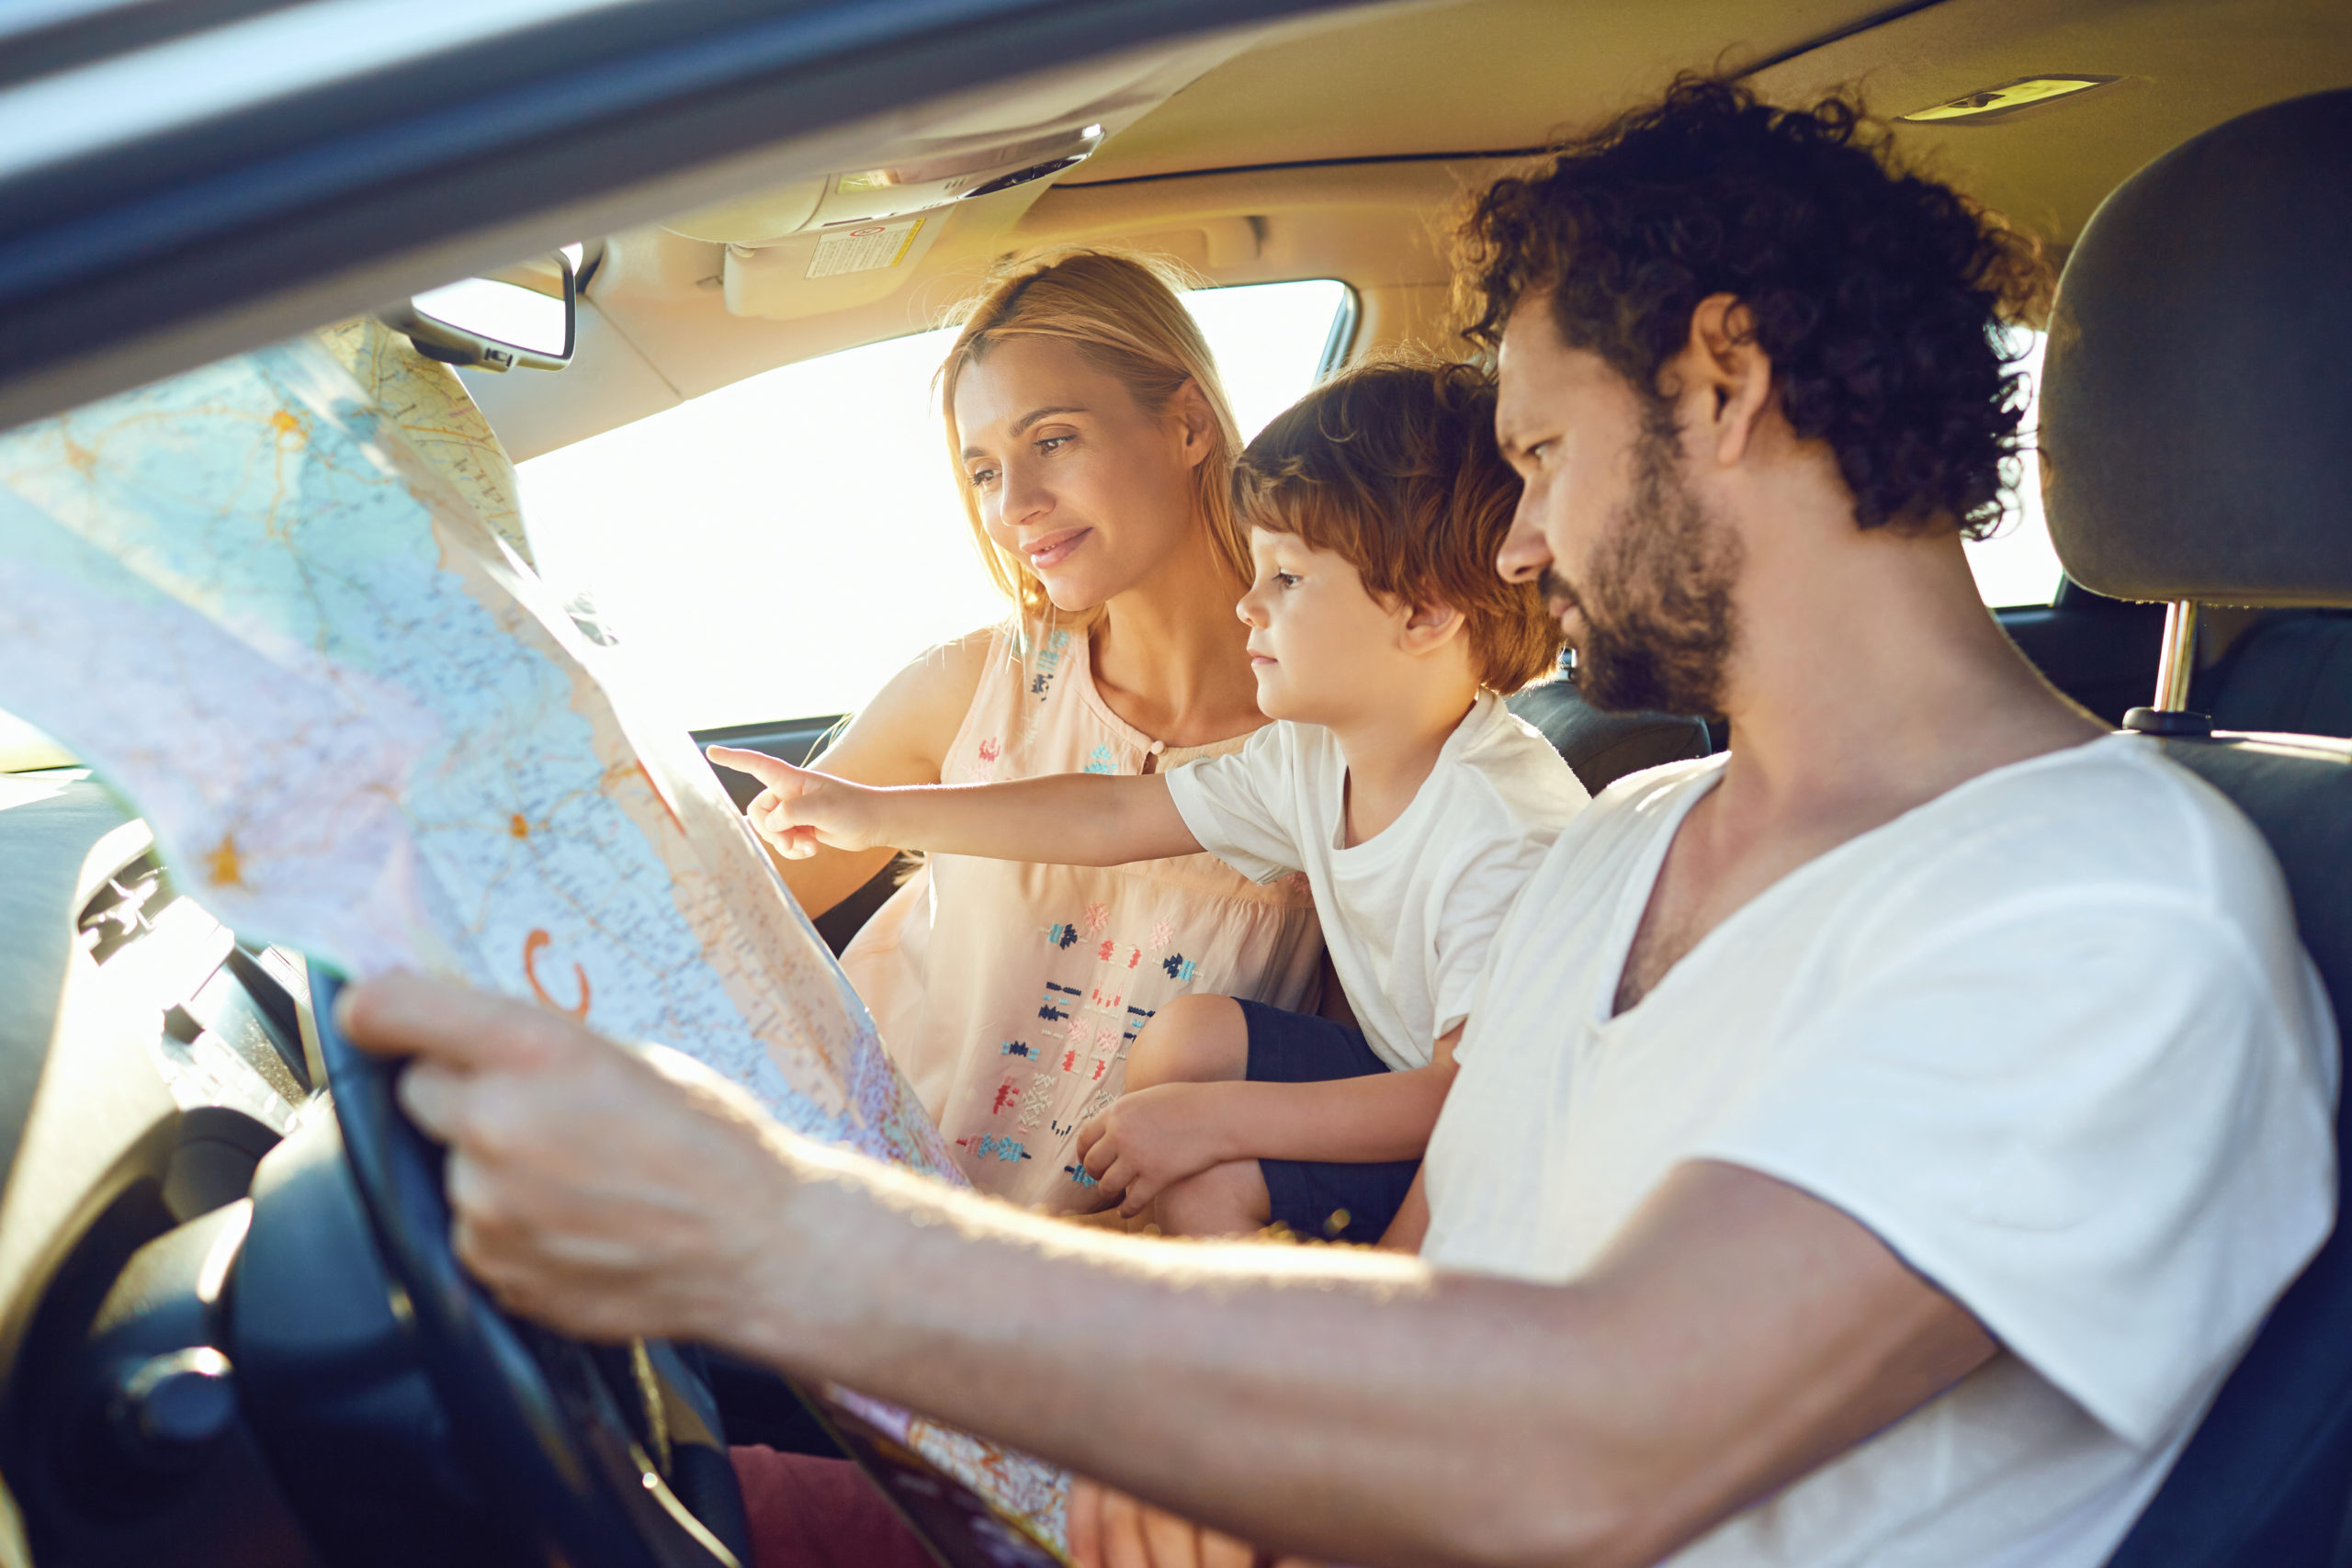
(1123, 316)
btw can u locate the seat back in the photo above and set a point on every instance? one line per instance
(1602, 748)
(2195, 417)
(2264, 1481)
(2291, 671)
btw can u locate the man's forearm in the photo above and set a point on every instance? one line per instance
(1354, 1404)
(1346, 1403)
(1061, 819)
(1292, 1396)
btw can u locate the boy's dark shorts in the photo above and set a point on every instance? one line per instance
(1319, 1199)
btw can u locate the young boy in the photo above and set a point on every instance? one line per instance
(1393, 777)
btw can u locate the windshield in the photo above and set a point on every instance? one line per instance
(23, 748)
(779, 548)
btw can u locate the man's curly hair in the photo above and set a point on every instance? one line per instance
(1874, 292)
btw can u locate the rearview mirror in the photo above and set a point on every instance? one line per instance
(523, 315)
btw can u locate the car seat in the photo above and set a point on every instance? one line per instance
(1602, 748)
(2290, 671)
(2197, 445)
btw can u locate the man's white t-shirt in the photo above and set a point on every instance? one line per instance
(1406, 914)
(2051, 1037)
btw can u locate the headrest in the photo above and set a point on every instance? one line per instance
(2197, 397)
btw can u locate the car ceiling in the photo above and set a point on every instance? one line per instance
(1297, 142)
(1332, 147)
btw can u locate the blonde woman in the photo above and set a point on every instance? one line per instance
(1096, 449)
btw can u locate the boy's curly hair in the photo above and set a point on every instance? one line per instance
(1874, 290)
(1392, 465)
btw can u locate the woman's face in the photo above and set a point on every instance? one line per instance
(1071, 476)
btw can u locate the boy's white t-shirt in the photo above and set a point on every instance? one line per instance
(1407, 915)
(2051, 1037)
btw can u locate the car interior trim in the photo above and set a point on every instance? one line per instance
(301, 229)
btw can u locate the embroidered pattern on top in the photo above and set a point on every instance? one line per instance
(1045, 657)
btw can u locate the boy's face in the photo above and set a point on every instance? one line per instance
(1318, 640)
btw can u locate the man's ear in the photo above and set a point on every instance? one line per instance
(1429, 627)
(1724, 364)
(1195, 422)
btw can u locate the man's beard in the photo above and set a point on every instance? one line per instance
(1655, 600)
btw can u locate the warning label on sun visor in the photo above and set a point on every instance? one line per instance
(864, 248)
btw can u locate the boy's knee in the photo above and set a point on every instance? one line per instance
(1195, 1039)
(1223, 1200)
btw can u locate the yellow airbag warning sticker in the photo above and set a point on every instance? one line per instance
(863, 247)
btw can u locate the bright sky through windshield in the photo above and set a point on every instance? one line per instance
(778, 548)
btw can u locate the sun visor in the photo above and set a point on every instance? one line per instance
(2196, 402)
(829, 269)
(853, 235)
(916, 184)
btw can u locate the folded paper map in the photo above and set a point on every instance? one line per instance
(360, 726)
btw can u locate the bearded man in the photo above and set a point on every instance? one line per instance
(1873, 1145)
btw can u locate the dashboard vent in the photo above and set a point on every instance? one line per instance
(126, 907)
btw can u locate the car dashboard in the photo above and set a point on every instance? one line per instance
(148, 1061)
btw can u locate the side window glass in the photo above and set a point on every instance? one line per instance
(2017, 565)
(779, 548)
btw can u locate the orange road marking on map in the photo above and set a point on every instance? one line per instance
(519, 826)
(531, 945)
(222, 867)
(660, 797)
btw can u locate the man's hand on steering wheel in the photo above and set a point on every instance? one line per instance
(604, 1190)
(610, 1191)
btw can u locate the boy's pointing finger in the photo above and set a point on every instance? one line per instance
(772, 771)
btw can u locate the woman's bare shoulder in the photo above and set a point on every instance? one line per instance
(940, 681)
(902, 735)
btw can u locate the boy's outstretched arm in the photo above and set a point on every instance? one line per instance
(1064, 819)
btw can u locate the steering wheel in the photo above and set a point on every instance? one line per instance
(603, 1464)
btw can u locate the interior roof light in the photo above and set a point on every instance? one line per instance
(2000, 102)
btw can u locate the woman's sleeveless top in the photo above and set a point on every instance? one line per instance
(1009, 992)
